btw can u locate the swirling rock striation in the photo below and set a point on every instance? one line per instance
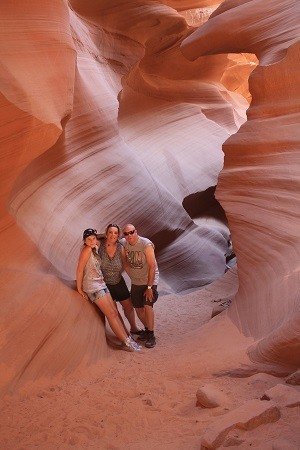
(258, 186)
(135, 146)
(105, 120)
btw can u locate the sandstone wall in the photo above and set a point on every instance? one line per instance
(105, 120)
(259, 185)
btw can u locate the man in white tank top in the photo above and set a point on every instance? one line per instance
(141, 267)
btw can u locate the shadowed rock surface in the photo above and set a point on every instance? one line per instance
(105, 120)
(258, 185)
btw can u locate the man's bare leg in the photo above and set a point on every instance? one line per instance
(141, 315)
(149, 317)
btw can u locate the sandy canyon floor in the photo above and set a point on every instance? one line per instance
(148, 400)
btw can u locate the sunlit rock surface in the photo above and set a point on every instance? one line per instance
(104, 120)
(124, 154)
(258, 186)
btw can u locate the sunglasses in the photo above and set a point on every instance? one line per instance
(127, 233)
(89, 232)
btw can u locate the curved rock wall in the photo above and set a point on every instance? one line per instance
(107, 121)
(258, 186)
(77, 153)
(37, 79)
(124, 154)
(42, 319)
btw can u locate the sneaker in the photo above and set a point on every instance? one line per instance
(131, 345)
(151, 341)
(137, 332)
(143, 336)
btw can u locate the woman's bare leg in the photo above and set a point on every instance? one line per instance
(122, 321)
(107, 306)
(129, 314)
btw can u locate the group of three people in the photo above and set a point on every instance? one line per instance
(99, 279)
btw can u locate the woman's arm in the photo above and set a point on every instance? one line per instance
(124, 260)
(83, 258)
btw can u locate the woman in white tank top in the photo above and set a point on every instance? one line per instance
(91, 286)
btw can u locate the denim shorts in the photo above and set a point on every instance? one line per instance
(98, 294)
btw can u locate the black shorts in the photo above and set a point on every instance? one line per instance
(119, 291)
(138, 295)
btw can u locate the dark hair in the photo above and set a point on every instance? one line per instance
(112, 225)
(89, 232)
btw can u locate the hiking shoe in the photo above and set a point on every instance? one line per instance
(131, 345)
(151, 341)
(137, 332)
(143, 336)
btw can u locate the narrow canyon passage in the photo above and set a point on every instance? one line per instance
(133, 399)
(117, 111)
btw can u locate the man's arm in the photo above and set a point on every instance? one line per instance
(151, 261)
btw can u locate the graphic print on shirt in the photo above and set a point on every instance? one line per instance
(135, 259)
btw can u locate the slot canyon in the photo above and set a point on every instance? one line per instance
(182, 118)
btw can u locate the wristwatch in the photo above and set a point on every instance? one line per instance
(149, 287)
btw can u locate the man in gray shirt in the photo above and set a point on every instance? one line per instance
(141, 267)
